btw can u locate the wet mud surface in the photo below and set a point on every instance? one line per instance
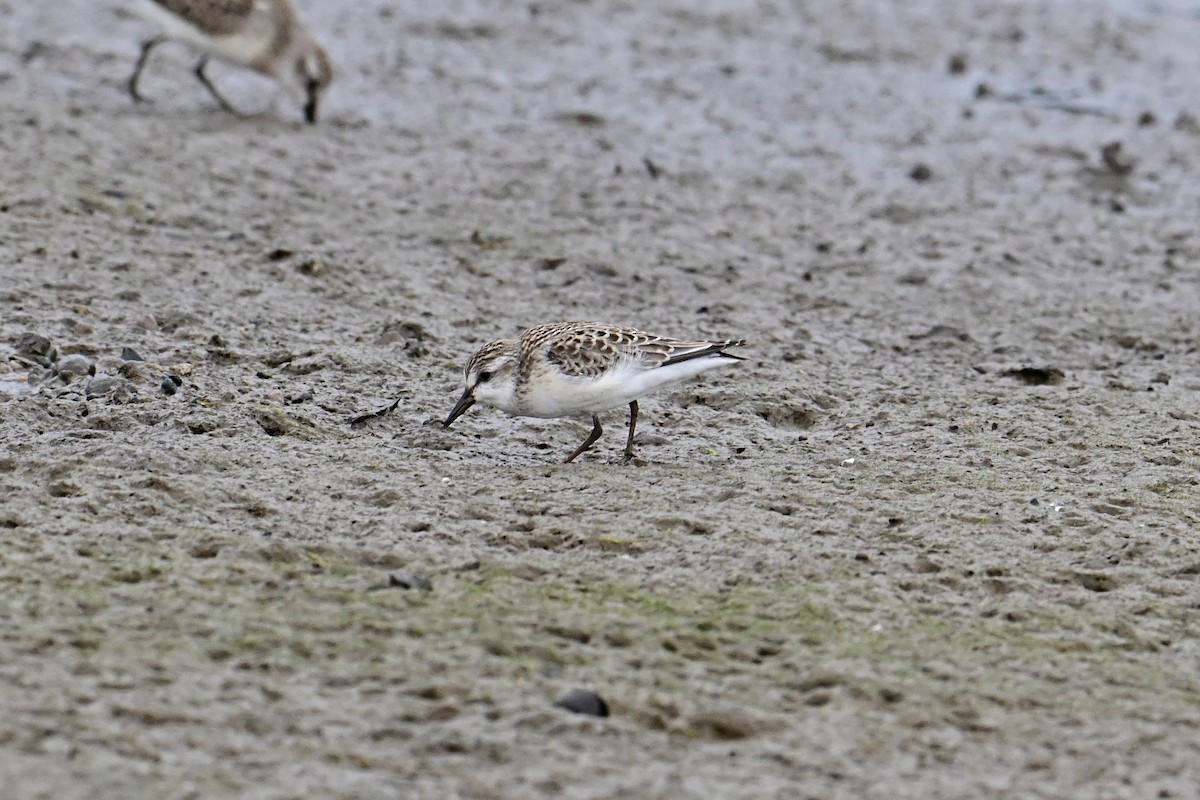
(936, 538)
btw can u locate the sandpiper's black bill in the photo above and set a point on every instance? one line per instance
(464, 402)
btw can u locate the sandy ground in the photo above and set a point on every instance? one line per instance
(935, 539)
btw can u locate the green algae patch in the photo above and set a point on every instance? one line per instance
(775, 647)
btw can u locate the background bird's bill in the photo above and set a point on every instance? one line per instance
(310, 108)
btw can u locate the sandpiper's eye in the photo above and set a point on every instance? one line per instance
(485, 376)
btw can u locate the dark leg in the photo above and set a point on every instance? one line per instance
(221, 101)
(632, 425)
(141, 63)
(588, 442)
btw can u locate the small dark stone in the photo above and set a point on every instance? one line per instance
(583, 701)
(921, 173)
(1187, 123)
(311, 267)
(409, 580)
(957, 64)
(1115, 160)
(129, 354)
(651, 168)
(35, 346)
(169, 387)
(1034, 502)
(76, 366)
(279, 254)
(1037, 376)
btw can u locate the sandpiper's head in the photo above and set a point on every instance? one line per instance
(306, 71)
(490, 378)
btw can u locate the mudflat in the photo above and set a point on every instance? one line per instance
(935, 538)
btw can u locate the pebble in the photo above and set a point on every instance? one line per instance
(409, 580)
(36, 347)
(1037, 376)
(583, 701)
(75, 366)
(131, 371)
(171, 384)
(129, 354)
(37, 375)
(311, 267)
(101, 387)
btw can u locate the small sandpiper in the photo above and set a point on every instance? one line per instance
(581, 368)
(264, 35)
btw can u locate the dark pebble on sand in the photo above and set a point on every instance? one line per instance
(75, 366)
(409, 580)
(1116, 159)
(170, 385)
(36, 347)
(129, 354)
(1037, 376)
(583, 701)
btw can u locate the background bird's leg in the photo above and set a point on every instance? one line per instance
(633, 411)
(221, 101)
(141, 63)
(588, 442)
